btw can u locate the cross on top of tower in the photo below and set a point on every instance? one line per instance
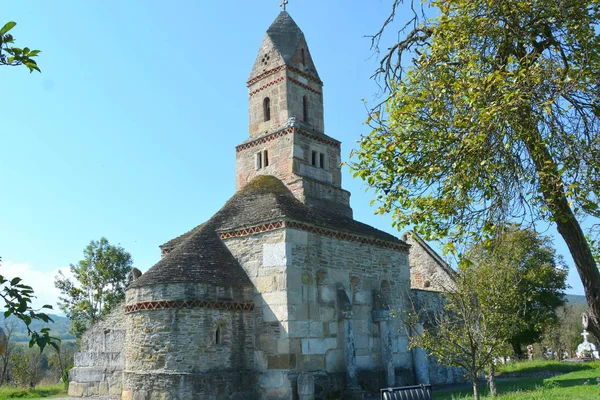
(283, 4)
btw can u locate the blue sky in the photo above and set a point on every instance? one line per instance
(129, 131)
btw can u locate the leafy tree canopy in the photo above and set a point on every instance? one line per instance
(100, 281)
(541, 284)
(10, 55)
(495, 119)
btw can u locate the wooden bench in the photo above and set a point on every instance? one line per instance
(419, 392)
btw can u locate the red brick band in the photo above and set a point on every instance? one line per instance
(179, 304)
(313, 229)
(302, 85)
(284, 132)
(280, 68)
(280, 79)
(263, 87)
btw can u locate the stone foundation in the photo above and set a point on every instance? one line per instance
(217, 385)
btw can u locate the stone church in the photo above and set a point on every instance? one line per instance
(281, 294)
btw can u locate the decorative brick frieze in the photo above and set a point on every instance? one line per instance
(283, 132)
(266, 85)
(280, 79)
(281, 68)
(253, 230)
(179, 304)
(302, 85)
(313, 229)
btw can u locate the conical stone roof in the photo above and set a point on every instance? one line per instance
(285, 35)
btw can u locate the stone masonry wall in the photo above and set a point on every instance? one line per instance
(99, 363)
(263, 257)
(426, 273)
(316, 266)
(176, 353)
(297, 321)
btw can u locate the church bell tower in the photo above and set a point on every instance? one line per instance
(286, 123)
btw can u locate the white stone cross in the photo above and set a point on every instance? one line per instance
(283, 4)
(585, 334)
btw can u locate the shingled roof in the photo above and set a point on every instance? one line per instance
(200, 256)
(285, 35)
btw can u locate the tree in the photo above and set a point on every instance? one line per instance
(100, 282)
(478, 317)
(542, 280)
(17, 299)
(10, 55)
(565, 336)
(495, 119)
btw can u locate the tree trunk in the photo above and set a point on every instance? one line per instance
(492, 380)
(475, 387)
(552, 188)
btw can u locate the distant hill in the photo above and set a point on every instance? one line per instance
(59, 328)
(575, 299)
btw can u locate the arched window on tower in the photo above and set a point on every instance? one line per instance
(305, 109)
(303, 57)
(267, 109)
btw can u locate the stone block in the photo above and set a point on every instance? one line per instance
(333, 328)
(326, 314)
(315, 329)
(335, 361)
(306, 386)
(274, 254)
(76, 389)
(318, 346)
(127, 395)
(298, 329)
(282, 361)
(313, 363)
(297, 237)
(140, 395)
(271, 379)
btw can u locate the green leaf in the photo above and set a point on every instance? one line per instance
(15, 281)
(7, 27)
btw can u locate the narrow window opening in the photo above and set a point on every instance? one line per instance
(267, 108)
(303, 57)
(314, 158)
(305, 109)
(258, 161)
(321, 160)
(266, 158)
(218, 336)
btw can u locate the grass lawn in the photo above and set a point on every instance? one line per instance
(567, 386)
(40, 392)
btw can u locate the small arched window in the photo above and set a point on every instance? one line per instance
(267, 109)
(304, 109)
(303, 57)
(218, 336)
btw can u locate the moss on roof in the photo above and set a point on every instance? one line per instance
(200, 256)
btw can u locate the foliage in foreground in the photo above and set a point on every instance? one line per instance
(17, 298)
(509, 293)
(11, 55)
(492, 116)
(100, 281)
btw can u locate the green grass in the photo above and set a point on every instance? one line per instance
(40, 392)
(568, 386)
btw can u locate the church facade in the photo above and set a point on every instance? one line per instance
(281, 294)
